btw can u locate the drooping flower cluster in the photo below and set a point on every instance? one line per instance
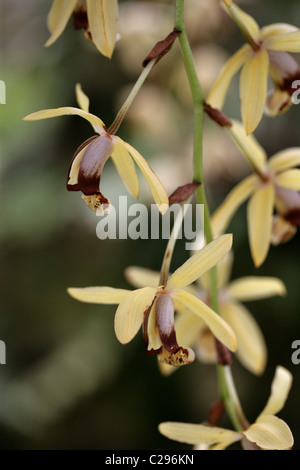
(197, 307)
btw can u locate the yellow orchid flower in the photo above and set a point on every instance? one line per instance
(153, 307)
(99, 18)
(268, 432)
(192, 331)
(266, 52)
(274, 183)
(89, 159)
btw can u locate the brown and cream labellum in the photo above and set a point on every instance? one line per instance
(165, 321)
(170, 353)
(87, 165)
(98, 203)
(282, 230)
(284, 70)
(182, 357)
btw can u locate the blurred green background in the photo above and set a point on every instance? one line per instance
(68, 383)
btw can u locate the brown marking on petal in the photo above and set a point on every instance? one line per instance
(74, 187)
(161, 48)
(224, 355)
(293, 216)
(183, 192)
(216, 412)
(182, 357)
(80, 19)
(217, 116)
(287, 83)
(92, 163)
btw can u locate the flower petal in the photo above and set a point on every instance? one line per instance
(245, 21)
(280, 389)
(285, 159)
(270, 433)
(65, 111)
(58, 17)
(217, 93)
(222, 216)
(224, 268)
(72, 179)
(201, 262)
(130, 313)
(253, 89)
(91, 166)
(103, 24)
(251, 347)
(188, 327)
(82, 99)
(197, 433)
(253, 151)
(289, 179)
(277, 102)
(215, 323)
(289, 42)
(141, 277)
(98, 295)
(253, 288)
(259, 215)
(159, 193)
(126, 169)
(164, 309)
(274, 29)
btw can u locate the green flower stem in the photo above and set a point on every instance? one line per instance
(226, 390)
(128, 102)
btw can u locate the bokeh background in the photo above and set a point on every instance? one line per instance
(68, 383)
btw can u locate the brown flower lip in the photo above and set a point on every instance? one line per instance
(87, 172)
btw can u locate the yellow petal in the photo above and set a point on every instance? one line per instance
(259, 215)
(215, 323)
(248, 144)
(188, 328)
(289, 42)
(270, 433)
(99, 295)
(65, 111)
(245, 21)
(130, 313)
(251, 347)
(197, 433)
(126, 169)
(82, 99)
(141, 277)
(289, 179)
(280, 389)
(154, 341)
(253, 89)
(223, 215)
(218, 92)
(285, 159)
(58, 17)
(274, 30)
(103, 23)
(253, 288)
(201, 262)
(159, 193)
(223, 273)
